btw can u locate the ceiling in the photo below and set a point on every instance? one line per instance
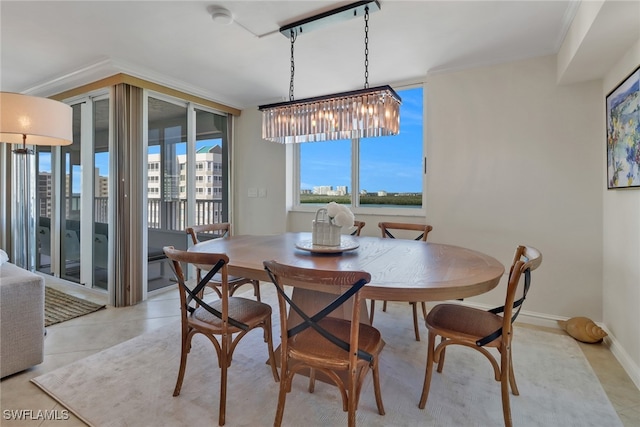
(48, 47)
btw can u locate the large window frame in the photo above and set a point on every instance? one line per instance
(355, 206)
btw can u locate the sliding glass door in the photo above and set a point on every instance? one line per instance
(166, 149)
(187, 179)
(185, 169)
(72, 199)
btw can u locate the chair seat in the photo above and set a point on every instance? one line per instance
(464, 322)
(309, 346)
(243, 310)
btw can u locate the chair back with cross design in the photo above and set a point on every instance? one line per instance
(224, 321)
(339, 350)
(359, 225)
(220, 230)
(478, 329)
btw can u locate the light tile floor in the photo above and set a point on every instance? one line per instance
(77, 338)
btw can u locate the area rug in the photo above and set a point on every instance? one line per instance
(131, 384)
(59, 306)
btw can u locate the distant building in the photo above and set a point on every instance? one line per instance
(208, 168)
(44, 194)
(327, 190)
(342, 190)
(208, 185)
(322, 190)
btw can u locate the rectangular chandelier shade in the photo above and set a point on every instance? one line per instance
(364, 113)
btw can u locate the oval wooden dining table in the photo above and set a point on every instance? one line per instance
(401, 270)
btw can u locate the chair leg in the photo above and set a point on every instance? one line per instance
(224, 354)
(512, 377)
(272, 357)
(504, 386)
(376, 386)
(371, 311)
(416, 329)
(282, 397)
(312, 380)
(428, 371)
(352, 400)
(183, 362)
(384, 306)
(441, 358)
(256, 289)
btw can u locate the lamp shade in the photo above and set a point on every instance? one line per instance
(43, 121)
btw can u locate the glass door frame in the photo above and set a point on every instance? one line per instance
(191, 142)
(87, 186)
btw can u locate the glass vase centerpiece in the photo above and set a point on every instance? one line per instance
(329, 222)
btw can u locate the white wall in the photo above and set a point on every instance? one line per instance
(257, 165)
(513, 158)
(621, 247)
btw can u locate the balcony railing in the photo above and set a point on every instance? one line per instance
(168, 215)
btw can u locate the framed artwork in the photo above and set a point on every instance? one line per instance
(623, 133)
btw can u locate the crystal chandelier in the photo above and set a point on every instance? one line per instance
(363, 113)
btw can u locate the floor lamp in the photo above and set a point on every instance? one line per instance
(25, 121)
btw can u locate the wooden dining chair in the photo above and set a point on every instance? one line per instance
(358, 225)
(216, 231)
(478, 329)
(218, 320)
(399, 227)
(341, 350)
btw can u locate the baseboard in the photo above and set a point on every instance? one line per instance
(550, 321)
(623, 357)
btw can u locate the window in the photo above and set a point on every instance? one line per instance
(372, 173)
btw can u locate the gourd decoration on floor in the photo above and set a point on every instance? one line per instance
(583, 329)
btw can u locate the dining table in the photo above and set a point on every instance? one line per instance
(400, 269)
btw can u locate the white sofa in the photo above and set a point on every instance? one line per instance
(21, 319)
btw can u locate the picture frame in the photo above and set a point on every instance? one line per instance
(623, 133)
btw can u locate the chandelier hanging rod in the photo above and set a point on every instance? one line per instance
(330, 17)
(364, 113)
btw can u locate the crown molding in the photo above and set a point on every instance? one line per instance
(108, 67)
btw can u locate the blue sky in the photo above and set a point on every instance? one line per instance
(390, 163)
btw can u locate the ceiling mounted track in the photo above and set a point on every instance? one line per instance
(340, 14)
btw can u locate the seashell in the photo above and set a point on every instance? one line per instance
(583, 329)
